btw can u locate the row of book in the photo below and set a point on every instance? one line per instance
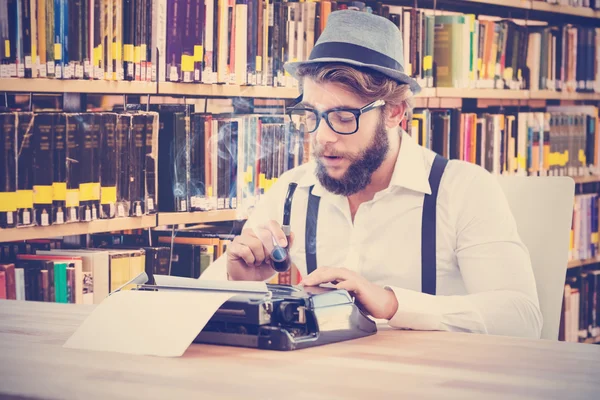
(247, 42)
(216, 162)
(580, 316)
(55, 271)
(70, 167)
(585, 230)
(73, 167)
(555, 141)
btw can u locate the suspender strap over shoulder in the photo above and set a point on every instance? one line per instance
(428, 234)
(311, 231)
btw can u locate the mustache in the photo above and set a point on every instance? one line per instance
(323, 151)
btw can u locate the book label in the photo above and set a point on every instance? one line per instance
(9, 218)
(60, 217)
(173, 76)
(45, 221)
(26, 218)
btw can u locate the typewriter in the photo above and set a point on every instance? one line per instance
(281, 317)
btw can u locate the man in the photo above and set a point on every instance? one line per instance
(364, 215)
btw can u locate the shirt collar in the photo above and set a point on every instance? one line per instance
(411, 170)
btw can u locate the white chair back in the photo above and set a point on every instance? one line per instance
(543, 210)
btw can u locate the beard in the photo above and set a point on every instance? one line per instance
(362, 165)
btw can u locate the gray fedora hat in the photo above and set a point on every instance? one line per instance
(362, 39)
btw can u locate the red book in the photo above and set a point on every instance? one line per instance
(9, 277)
(2, 285)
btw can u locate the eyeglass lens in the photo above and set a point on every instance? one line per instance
(339, 121)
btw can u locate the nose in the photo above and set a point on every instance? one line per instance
(324, 134)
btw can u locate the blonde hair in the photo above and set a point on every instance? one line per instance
(367, 83)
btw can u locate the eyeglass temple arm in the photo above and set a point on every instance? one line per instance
(371, 106)
(294, 102)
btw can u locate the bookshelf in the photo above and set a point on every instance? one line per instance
(583, 263)
(430, 97)
(41, 85)
(564, 10)
(550, 95)
(198, 217)
(77, 228)
(482, 93)
(587, 179)
(118, 224)
(55, 86)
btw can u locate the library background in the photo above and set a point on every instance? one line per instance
(151, 127)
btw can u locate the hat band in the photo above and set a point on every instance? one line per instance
(354, 52)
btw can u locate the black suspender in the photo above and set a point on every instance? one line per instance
(428, 239)
(311, 231)
(428, 235)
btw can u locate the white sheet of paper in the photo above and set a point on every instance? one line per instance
(159, 323)
(168, 280)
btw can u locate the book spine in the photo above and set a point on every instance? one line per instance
(59, 181)
(108, 167)
(43, 173)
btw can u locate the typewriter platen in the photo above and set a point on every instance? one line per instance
(284, 318)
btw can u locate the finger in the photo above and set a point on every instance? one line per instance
(256, 246)
(238, 250)
(325, 275)
(266, 239)
(277, 232)
(291, 241)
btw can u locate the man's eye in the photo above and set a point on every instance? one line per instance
(343, 116)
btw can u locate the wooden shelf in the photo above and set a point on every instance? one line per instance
(586, 179)
(223, 90)
(564, 10)
(198, 217)
(482, 93)
(552, 95)
(582, 263)
(524, 4)
(77, 228)
(41, 85)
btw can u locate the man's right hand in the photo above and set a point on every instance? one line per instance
(248, 255)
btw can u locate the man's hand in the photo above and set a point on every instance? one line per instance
(248, 255)
(377, 301)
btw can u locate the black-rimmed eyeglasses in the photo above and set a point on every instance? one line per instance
(341, 120)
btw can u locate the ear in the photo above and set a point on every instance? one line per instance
(394, 115)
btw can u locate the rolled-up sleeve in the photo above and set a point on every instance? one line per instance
(496, 268)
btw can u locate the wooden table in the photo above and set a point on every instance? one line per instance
(393, 364)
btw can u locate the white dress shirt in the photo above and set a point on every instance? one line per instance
(485, 282)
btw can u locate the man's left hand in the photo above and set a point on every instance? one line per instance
(377, 301)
